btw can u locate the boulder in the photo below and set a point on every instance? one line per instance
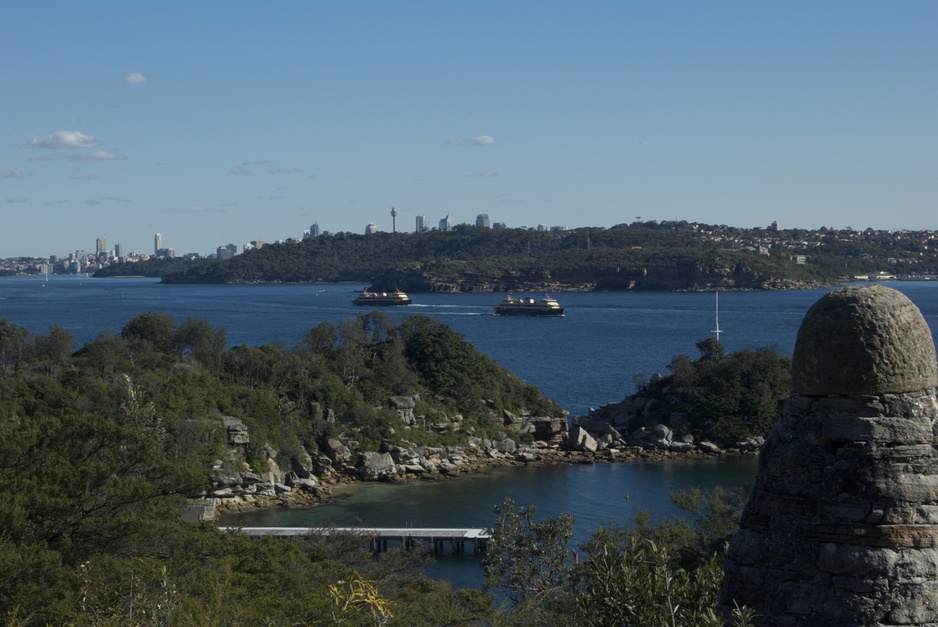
(580, 440)
(236, 429)
(337, 452)
(376, 466)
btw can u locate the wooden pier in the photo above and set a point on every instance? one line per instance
(378, 537)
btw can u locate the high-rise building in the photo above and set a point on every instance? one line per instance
(157, 244)
(483, 220)
(371, 229)
(118, 250)
(445, 223)
(100, 246)
(314, 230)
(422, 224)
(226, 252)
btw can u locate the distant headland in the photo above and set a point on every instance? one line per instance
(641, 256)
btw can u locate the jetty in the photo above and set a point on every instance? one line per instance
(378, 537)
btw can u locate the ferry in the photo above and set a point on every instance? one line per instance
(381, 299)
(527, 306)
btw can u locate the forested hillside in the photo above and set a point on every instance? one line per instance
(637, 256)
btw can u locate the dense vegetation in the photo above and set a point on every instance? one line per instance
(641, 255)
(667, 573)
(723, 398)
(96, 461)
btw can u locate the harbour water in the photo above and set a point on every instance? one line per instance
(584, 359)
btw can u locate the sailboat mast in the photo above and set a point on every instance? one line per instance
(717, 330)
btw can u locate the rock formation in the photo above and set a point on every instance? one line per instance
(842, 524)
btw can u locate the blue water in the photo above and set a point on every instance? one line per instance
(584, 359)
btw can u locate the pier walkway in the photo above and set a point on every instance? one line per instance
(378, 537)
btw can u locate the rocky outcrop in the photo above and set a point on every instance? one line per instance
(842, 524)
(607, 429)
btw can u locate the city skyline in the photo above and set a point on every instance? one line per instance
(260, 119)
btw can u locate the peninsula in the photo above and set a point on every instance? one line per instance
(651, 256)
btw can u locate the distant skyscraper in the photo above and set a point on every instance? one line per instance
(314, 230)
(118, 250)
(226, 252)
(371, 229)
(157, 244)
(100, 246)
(422, 224)
(446, 224)
(483, 220)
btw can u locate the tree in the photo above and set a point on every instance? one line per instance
(196, 338)
(13, 351)
(155, 328)
(528, 560)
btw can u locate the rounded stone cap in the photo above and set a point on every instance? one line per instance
(863, 341)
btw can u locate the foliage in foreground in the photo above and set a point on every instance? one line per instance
(664, 574)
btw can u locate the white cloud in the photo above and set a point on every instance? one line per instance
(135, 78)
(241, 170)
(483, 140)
(63, 139)
(482, 175)
(11, 174)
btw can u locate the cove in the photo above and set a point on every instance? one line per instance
(596, 494)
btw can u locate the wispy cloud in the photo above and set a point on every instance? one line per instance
(11, 174)
(63, 139)
(83, 176)
(283, 170)
(16, 200)
(482, 175)
(478, 140)
(95, 156)
(241, 170)
(193, 209)
(135, 78)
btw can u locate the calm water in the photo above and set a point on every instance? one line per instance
(584, 359)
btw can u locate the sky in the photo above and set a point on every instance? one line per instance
(225, 122)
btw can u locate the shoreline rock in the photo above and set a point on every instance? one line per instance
(550, 455)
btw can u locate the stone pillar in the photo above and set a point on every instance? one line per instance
(842, 524)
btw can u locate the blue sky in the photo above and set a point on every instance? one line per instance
(225, 122)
